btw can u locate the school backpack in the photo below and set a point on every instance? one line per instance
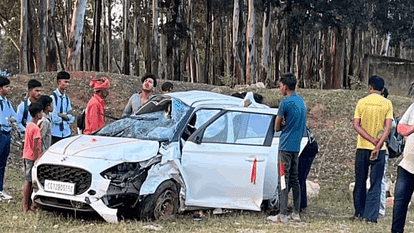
(395, 142)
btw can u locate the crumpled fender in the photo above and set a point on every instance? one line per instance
(159, 173)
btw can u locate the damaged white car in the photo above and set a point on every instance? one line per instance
(180, 151)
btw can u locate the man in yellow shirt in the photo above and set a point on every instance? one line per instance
(372, 113)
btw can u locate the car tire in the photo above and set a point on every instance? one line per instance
(161, 205)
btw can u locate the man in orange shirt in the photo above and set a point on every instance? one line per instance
(94, 116)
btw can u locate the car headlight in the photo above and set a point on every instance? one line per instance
(121, 172)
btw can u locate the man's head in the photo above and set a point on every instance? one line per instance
(287, 83)
(62, 79)
(376, 82)
(35, 90)
(149, 81)
(47, 103)
(167, 87)
(100, 86)
(4, 86)
(35, 110)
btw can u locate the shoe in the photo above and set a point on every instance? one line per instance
(370, 221)
(294, 217)
(5, 196)
(280, 218)
(353, 217)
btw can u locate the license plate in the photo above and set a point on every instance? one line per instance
(59, 187)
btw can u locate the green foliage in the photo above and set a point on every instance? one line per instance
(227, 79)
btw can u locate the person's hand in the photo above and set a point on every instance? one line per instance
(63, 116)
(374, 155)
(282, 122)
(11, 119)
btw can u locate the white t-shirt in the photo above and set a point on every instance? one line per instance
(408, 154)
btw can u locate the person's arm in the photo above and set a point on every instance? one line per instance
(69, 115)
(91, 119)
(278, 123)
(54, 116)
(19, 117)
(128, 108)
(388, 125)
(361, 131)
(36, 149)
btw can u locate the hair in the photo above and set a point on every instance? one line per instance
(45, 100)
(33, 83)
(384, 92)
(154, 78)
(4, 81)
(167, 86)
(35, 108)
(256, 96)
(376, 82)
(62, 75)
(289, 80)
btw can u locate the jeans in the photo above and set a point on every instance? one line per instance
(404, 188)
(383, 202)
(5, 140)
(290, 161)
(304, 167)
(367, 204)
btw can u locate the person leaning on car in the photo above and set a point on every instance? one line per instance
(94, 115)
(371, 114)
(292, 111)
(149, 81)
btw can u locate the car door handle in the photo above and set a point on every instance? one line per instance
(252, 159)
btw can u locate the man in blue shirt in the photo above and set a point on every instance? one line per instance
(61, 115)
(7, 115)
(291, 120)
(23, 116)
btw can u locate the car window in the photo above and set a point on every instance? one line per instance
(161, 124)
(203, 115)
(238, 128)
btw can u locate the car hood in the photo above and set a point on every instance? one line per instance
(106, 148)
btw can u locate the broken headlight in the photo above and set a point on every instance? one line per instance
(121, 172)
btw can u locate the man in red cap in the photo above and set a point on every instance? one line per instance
(94, 116)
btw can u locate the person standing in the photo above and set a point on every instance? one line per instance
(149, 81)
(404, 186)
(23, 116)
(7, 117)
(94, 116)
(291, 120)
(45, 122)
(31, 152)
(61, 115)
(372, 113)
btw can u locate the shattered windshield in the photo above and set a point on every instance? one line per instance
(160, 124)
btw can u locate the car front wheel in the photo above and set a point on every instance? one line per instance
(161, 205)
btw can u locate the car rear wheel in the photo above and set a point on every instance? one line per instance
(161, 205)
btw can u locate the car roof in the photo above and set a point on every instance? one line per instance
(206, 98)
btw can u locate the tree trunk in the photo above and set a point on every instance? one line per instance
(24, 24)
(97, 36)
(264, 67)
(75, 35)
(207, 42)
(155, 49)
(239, 41)
(125, 51)
(109, 34)
(43, 36)
(136, 38)
(251, 45)
(51, 53)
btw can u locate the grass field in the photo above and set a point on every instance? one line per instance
(330, 115)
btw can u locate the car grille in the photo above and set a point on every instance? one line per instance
(81, 178)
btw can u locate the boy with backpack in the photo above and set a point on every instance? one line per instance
(31, 152)
(61, 115)
(23, 117)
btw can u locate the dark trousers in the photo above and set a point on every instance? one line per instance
(5, 139)
(305, 163)
(290, 161)
(404, 188)
(56, 139)
(367, 204)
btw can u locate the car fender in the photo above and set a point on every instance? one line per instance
(159, 173)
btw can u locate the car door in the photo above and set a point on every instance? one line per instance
(223, 163)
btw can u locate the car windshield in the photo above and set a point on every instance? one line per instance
(158, 120)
